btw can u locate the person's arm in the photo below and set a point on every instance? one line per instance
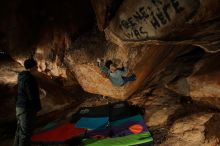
(31, 89)
(102, 67)
(124, 72)
(124, 69)
(32, 92)
(105, 70)
(98, 62)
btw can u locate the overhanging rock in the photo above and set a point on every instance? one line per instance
(150, 35)
(166, 22)
(145, 62)
(151, 19)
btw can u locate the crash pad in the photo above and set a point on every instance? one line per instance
(130, 127)
(49, 126)
(115, 111)
(98, 134)
(132, 118)
(92, 123)
(98, 111)
(133, 139)
(119, 110)
(59, 134)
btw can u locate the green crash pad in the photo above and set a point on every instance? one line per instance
(121, 141)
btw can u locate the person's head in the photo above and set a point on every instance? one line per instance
(30, 64)
(108, 63)
(113, 67)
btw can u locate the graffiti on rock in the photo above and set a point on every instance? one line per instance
(157, 15)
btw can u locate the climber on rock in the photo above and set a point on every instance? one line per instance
(27, 103)
(116, 75)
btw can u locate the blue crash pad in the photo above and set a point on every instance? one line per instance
(92, 123)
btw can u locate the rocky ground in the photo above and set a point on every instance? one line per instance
(178, 121)
(173, 120)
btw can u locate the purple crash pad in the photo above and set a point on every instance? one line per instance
(128, 128)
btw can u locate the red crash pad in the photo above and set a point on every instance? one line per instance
(58, 134)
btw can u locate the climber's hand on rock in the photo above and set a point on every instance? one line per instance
(98, 60)
(125, 64)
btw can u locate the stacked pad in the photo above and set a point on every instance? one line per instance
(130, 125)
(135, 118)
(94, 119)
(61, 134)
(129, 140)
(126, 127)
(117, 124)
(114, 111)
(98, 134)
(93, 112)
(92, 123)
(49, 126)
(120, 110)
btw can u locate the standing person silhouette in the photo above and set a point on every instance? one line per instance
(27, 103)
